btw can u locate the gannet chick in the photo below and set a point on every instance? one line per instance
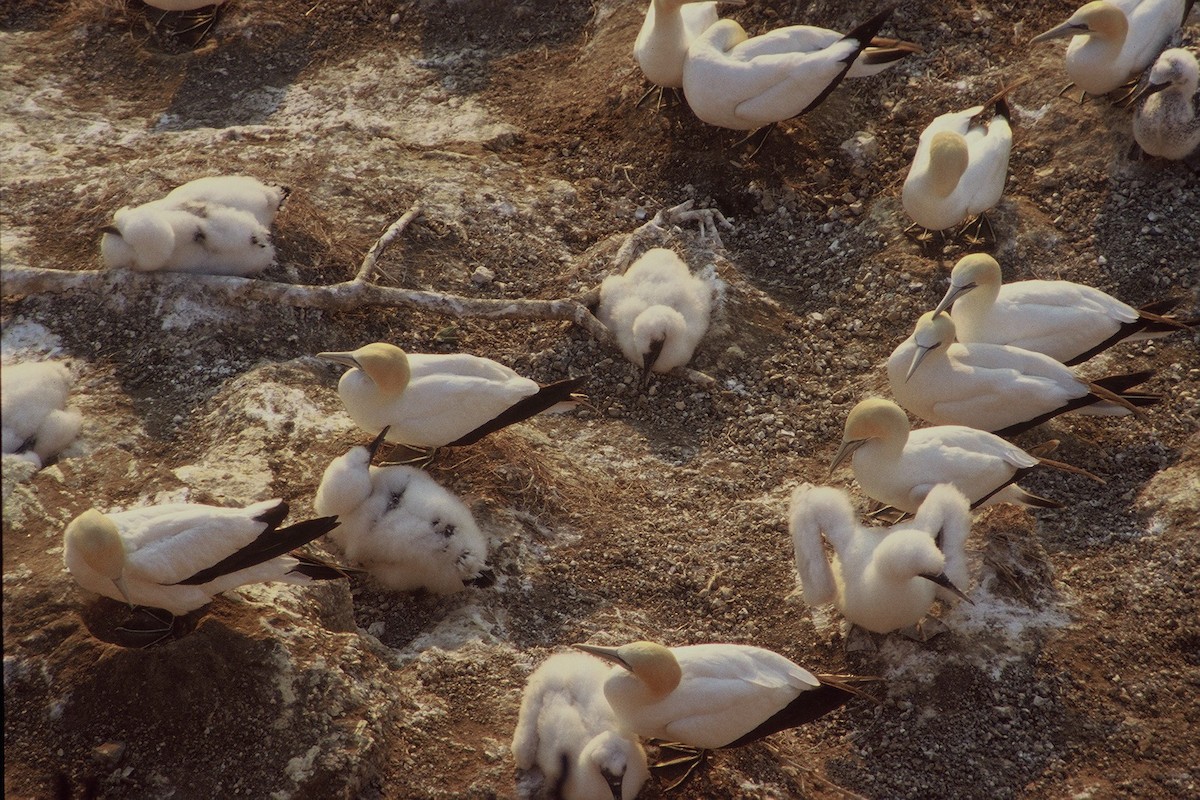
(567, 729)
(668, 29)
(401, 526)
(178, 557)
(898, 466)
(35, 420)
(242, 192)
(192, 237)
(1069, 322)
(657, 310)
(433, 400)
(995, 387)
(881, 579)
(1167, 124)
(745, 93)
(1115, 41)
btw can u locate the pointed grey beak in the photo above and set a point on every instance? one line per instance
(941, 580)
(345, 359)
(918, 357)
(111, 229)
(845, 451)
(952, 294)
(374, 446)
(649, 359)
(121, 587)
(1067, 28)
(606, 653)
(1147, 90)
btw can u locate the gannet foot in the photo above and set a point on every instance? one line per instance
(422, 458)
(921, 235)
(761, 134)
(674, 756)
(661, 92)
(708, 219)
(146, 628)
(1069, 87)
(979, 231)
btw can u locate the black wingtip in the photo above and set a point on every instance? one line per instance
(546, 397)
(866, 31)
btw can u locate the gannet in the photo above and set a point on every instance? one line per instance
(1167, 124)
(178, 557)
(33, 414)
(187, 237)
(995, 387)
(401, 526)
(657, 310)
(567, 729)
(1115, 40)
(898, 466)
(668, 29)
(880, 54)
(1067, 321)
(881, 579)
(242, 192)
(725, 89)
(434, 400)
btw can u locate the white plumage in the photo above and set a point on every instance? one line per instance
(875, 58)
(565, 722)
(187, 237)
(400, 525)
(1167, 124)
(261, 200)
(668, 29)
(657, 310)
(35, 420)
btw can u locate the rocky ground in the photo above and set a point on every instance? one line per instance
(656, 515)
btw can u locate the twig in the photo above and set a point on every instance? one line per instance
(382, 243)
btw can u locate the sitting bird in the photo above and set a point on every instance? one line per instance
(1167, 123)
(33, 415)
(669, 27)
(261, 200)
(195, 237)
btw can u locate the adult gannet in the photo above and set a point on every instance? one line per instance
(178, 557)
(1167, 124)
(668, 29)
(401, 526)
(433, 400)
(881, 579)
(1067, 321)
(1115, 40)
(187, 237)
(242, 192)
(34, 418)
(898, 466)
(657, 310)
(745, 93)
(567, 729)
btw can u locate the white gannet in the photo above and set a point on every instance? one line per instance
(1167, 124)
(668, 29)
(880, 54)
(187, 237)
(432, 400)
(881, 579)
(242, 192)
(401, 526)
(725, 89)
(33, 415)
(657, 310)
(898, 466)
(567, 729)
(995, 387)
(1069, 322)
(179, 556)
(1115, 40)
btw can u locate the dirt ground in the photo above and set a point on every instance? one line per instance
(658, 515)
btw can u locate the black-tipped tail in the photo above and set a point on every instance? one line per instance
(809, 705)
(546, 397)
(270, 543)
(862, 35)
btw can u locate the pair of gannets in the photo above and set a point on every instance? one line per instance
(1114, 41)
(34, 418)
(881, 579)
(430, 400)
(1167, 124)
(567, 729)
(657, 310)
(400, 525)
(218, 225)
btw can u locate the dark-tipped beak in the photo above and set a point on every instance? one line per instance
(952, 294)
(918, 357)
(649, 359)
(606, 653)
(378, 441)
(941, 580)
(845, 451)
(615, 781)
(484, 580)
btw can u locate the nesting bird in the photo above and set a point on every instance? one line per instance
(34, 418)
(881, 579)
(567, 729)
(1167, 123)
(430, 400)
(657, 310)
(669, 27)
(261, 200)
(1069, 322)
(401, 526)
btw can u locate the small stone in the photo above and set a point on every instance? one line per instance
(482, 276)
(110, 752)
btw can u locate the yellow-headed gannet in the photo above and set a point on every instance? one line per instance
(178, 557)
(242, 192)
(1069, 322)
(401, 526)
(995, 387)
(1115, 40)
(434, 400)
(1167, 124)
(567, 729)
(33, 414)
(187, 237)
(745, 93)
(657, 310)
(668, 29)
(881, 579)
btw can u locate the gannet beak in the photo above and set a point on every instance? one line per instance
(918, 357)
(952, 294)
(1146, 91)
(614, 782)
(345, 359)
(941, 580)
(607, 653)
(1067, 28)
(120, 582)
(374, 446)
(649, 358)
(111, 229)
(845, 451)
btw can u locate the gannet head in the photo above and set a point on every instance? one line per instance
(932, 331)
(873, 418)
(99, 544)
(385, 364)
(651, 663)
(724, 35)
(618, 760)
(1175, 67)
(138, 238)
(909, 553)
(651, 331)
(1100, 19)
(971, 272)
(948, 160)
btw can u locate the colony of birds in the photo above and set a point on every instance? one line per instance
(991, 360)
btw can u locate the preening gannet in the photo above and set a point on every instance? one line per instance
(187, 237)
(178, 557)
(401, 526)
(567, 729)
(668, 29)
(242, 192)
(657, 310)
(433, 400)
(745, 93)
(881, 579)
(1115, 40)
(1167, 124)
(995, 387)
(1067, 321)
(33, 414)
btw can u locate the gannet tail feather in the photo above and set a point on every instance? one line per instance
(546, 397)
(862, 35)
(1111, 389)
(270, 543)
(1150, 322)
(318, 570)
(808, 705)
